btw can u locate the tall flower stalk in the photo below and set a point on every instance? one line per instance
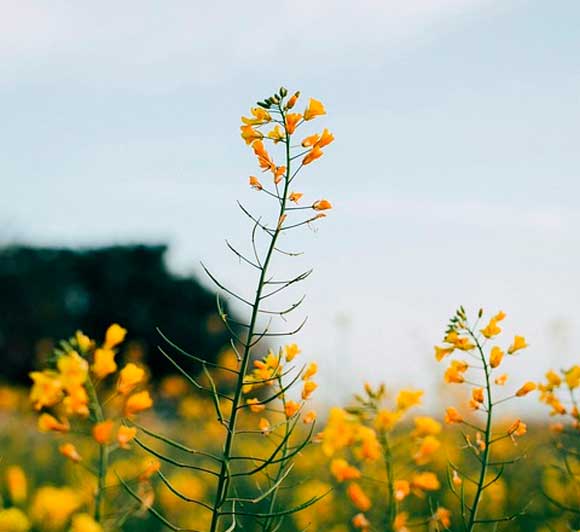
(269, 377)
(479, 373)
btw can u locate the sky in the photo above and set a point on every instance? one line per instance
(454, 175)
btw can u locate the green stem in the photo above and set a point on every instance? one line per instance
(222, 490)
(487, 440)
(95, 407)
(389, 466)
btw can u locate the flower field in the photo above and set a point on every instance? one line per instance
(98, 443)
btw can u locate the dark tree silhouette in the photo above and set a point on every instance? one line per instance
(47, 294)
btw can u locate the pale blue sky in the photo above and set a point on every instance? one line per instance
(455, 173)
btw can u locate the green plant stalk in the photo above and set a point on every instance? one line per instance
(389, 467)
(103, 452)
(487, 439)
(223, 481)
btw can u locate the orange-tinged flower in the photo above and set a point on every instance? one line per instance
(114, 336)
(518, 343)
(499, 316)
(310, 371)
(308, 389)
(47, 389)
(342, 470)
(386, 419)
(125, 435)
(477, 395)
(48, 423)
(426, 426)
(277, 134)
(312, 155)
(130, 376)
(456, 479)
(453, 416)
(77, 402)
(400, 523)
(325, 139)
(314, 109)
(517, 428)
(358, 497)
(264, 425)
(409, 398)
(464, 344)
(260, 116)
(495, 356)
(526, 389)
(264, 160)
(291, 350)
(104, 363)
(255, 405)
(442, 352)
(278, 172)
(249, 134)
(442, 517)
(70, 451)
(310, 141)
(491, 329)
(151, 467)
(292, 120)
(425, 481)
(309, 417)
(402, 489)
(291, 408)
(429, 446)
(501, 380)
(295, 196)
(137, 403)
(292, 100)
(103, 431)
(322, 205)
(360, 521)
(452, 375)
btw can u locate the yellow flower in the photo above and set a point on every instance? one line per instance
(308, 389)
(386, 419)
(517, 428)
(553, 378)
(456, 479)
(276, 134)
(501, 380)
(292, 121)
(310, 371)
(16, 484)
(103, 431)
(442, 517)
(114, 336)
(295, 197)
(125, 435)
(464, 344)
(426, 426)
(312, 155)
(452, 416)
(358, 497)
(425, 481)
(526, 389)
(85, 523)
(518, 343)
(73, 369)
(408, 399)
(130, 376)
(477, 395)
(400, 524)
(278, 172)
(77, 401)
(499, 316)
(310, 141)
(46, 390)
(14, 520)
(442, 352)
(104, 363)
(495, 357)
(309, 417)
(47, 423)
(429, 446)
(314, 109)
(322, 205)
(491, 329)
(573, 377)
(84, 343)
(70, 451)
(264, 160)
(255, 405)
(342, 470)
(452, 375)
(255, 183)
(360, 521)
(291, 408)
(402, 489)
(52, 507)
(260, 116)
(264, 425)
(291, 350)
(292, 100)
(249, 134)
(325, 139)
(137, 403)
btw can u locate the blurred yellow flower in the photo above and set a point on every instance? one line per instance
(104, 363)
(255, 405)
(249, 134)
(358, 497)
(495, 356)
(452, 416)
(52, 507)
(526, 389)
(402, 489)
(84, 523)
(16, 484)
(295, 197)
(426, 426)
(70, 451)
(47, 389)
(125, 435)
(103, 432)
(14, 520)
(309, 417)
(308, 389)
(518, 343)
(342, 470)
(73, 369)
(291, 408)
(310, 371)
(442, 352)
(291, 350)
(137, 403)
(259, 116)
(47, 423)
(129, 377)
(114, 336)
(408, 398)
